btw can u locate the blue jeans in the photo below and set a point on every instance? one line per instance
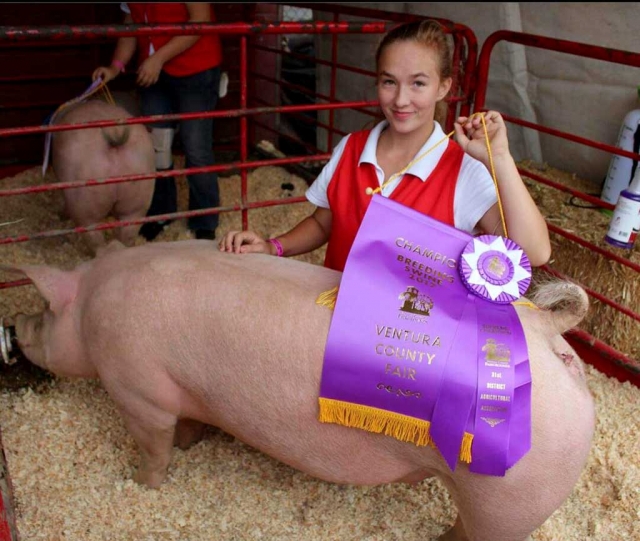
(189, 94)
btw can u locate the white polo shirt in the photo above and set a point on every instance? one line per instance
(475, 192)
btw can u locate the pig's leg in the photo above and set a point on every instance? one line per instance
(131, 205)
(489, 508)
(154, 433)
(457, 533)
(188, 432)
(86, 208)
(96, 240)
(127, 234)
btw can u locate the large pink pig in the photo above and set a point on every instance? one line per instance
(181, 334)
(98, 153)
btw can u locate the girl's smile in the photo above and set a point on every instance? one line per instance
(402, 115)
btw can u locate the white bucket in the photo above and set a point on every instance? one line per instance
(621, 168)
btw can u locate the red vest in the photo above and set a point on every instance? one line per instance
(348, 200)
(205, 54)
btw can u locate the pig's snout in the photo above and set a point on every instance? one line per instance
(11, 352)
(27, 338)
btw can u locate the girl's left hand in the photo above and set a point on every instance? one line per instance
(149, 71)
(469, 132)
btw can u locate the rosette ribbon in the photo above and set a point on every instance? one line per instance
(496, 269)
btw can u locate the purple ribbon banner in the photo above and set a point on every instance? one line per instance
(413, 353)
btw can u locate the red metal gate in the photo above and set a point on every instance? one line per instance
(607, 359)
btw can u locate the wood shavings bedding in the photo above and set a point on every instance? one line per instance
(70, 460)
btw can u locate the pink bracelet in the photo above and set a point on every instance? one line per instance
(278, 246)
(118, 65)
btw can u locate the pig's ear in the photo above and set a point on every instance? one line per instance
(565, 304)
(58, 287)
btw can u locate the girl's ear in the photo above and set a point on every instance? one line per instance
(445, 86)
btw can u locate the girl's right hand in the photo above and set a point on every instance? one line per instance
(106, 72)
(471, 137)
(245, 242)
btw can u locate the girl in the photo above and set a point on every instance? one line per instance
(450, 181)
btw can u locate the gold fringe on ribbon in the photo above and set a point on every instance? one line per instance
(465, 448)
(401, 427)
(328, 298)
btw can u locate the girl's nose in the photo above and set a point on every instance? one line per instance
(402, 96)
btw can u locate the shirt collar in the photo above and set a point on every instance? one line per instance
(423, 167)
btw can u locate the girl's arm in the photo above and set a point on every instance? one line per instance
(525, 224)
(309, 234)
(125, 48)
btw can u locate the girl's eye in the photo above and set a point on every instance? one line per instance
(420, 83)
(387, 82)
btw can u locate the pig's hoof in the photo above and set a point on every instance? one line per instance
(149, 479)
(9, 349)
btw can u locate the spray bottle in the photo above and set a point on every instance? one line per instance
(625, 223)
(621, 169)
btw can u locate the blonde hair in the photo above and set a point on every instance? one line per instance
(431, 34)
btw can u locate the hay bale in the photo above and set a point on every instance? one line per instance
(605, 276)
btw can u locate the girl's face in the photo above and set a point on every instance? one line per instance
(409, 87)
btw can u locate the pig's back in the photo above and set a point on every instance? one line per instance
(236, 341)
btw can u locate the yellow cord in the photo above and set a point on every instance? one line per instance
(528, 304)
(371, 191)
(102, 86)
(493, 173)
(107, 93)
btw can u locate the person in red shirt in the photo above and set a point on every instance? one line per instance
(445, 179)
(176, 74)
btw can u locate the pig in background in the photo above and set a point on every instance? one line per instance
(98, 153)
(238, 343)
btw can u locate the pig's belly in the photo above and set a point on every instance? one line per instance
(343, 463)
(330, 452)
